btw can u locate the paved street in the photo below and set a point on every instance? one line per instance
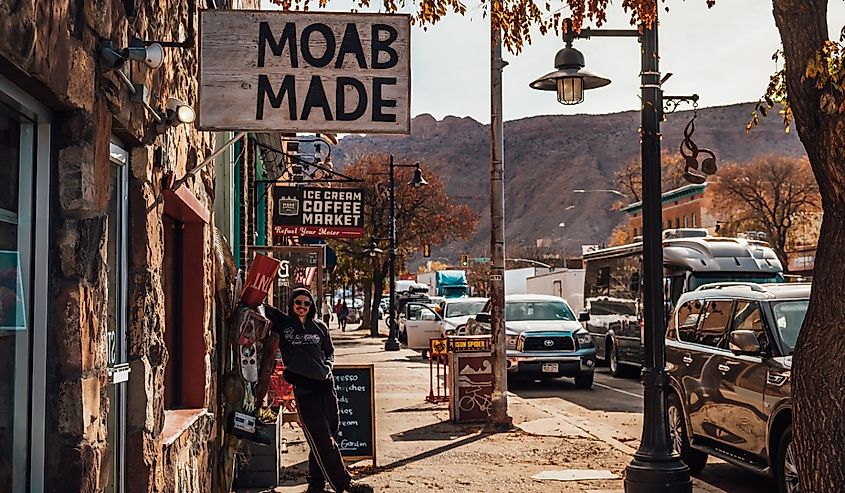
(616, 403)
(562, 428)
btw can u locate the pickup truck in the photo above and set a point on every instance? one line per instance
(543, 338)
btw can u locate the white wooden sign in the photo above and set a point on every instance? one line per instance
(304, 72)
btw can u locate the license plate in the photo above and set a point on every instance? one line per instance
(550, 367)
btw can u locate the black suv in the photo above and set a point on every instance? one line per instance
(729, 355)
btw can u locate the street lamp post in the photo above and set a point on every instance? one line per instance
(563, 240)
(604, 190)
(392, 344)
(655, 468)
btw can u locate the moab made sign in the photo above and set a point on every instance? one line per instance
(318, 212)
(304, 72)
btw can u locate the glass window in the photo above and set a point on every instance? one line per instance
(16, 163)
(789, 317)
(684, 324)
(711, 332)
(749, 317)
(537, 310)
(700, 279)
(464, 308)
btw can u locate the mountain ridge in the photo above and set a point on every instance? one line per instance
(548, 156)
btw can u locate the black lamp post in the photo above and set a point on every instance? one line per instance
(392, 344)
(655, 468)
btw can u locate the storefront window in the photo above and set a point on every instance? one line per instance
(16, 151)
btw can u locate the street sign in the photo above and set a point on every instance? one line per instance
(304, 72)
(481, 260)
(495, 277)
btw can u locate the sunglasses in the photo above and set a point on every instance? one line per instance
(305, 303)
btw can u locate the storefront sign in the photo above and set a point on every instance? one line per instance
(323, 212)
(468, 343)
(304, 72)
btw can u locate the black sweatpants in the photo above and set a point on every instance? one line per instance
(318, 415)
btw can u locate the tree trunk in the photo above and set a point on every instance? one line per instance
(378, 286)
(367, 286)
(818, 366)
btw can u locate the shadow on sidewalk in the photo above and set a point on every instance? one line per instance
(370, 470)
(436, 431)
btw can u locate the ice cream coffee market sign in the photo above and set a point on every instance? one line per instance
(322, 212)
(304, 72)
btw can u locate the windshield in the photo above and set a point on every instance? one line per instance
(789, 316)
(701, 279)
(537, 310)
(464, 308)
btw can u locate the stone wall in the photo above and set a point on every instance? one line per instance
(49, 48)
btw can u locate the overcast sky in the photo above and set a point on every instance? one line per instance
(723, 54)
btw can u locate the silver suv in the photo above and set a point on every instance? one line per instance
(729, 355)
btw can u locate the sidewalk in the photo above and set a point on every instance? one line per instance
(418, 447)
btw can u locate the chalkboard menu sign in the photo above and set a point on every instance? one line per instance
(356, 399)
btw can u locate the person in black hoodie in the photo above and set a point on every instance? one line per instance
(308, 355)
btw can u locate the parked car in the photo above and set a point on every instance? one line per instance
(544, 339)
(456, 312)
(729, 356)
(418, 324)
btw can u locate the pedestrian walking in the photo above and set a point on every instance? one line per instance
(342, 315)
(327, 313)
(308, 355)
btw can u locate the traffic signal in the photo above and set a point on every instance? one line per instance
(464, 260)
(426, 250)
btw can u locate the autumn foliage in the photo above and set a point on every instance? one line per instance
(424, 214)
(772, 194)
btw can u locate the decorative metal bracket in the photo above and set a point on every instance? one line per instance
(671, 103)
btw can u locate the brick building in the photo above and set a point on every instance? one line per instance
(107, 334)
(683, 207)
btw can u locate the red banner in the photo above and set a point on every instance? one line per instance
(260, 279)
(319, 231)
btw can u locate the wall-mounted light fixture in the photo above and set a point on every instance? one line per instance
(175, 113)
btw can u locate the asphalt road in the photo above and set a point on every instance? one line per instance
(616, 403)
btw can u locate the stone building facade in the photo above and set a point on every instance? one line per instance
(107, 334)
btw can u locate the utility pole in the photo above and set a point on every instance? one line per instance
(499, 419)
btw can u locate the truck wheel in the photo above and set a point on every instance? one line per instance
(616, 369)
(694, 459)
(584, 380)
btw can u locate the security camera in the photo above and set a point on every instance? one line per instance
(152, 55)
(110, 58)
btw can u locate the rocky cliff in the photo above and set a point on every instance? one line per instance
(546, 157)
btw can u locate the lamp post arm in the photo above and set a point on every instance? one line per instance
(529, 261)
(588, 33)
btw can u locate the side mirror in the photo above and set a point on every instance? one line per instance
(584, 316)
(483, 318)
(744, 342)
